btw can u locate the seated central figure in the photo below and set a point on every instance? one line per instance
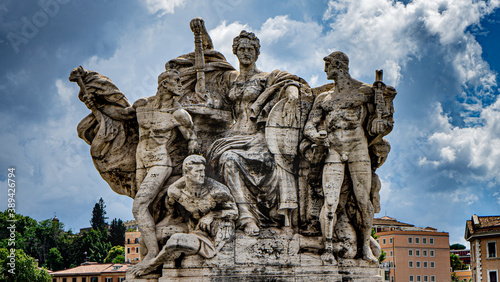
(259, 175)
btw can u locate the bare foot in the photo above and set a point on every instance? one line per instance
(251, 229)
(368, 255)
(328, 256)
(144, 267)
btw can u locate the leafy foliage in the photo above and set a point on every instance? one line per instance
(26, 269)
(456, 263)
(457, 247)
(116, 255)
(55, 248)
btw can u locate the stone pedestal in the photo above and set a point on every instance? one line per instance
(274, 255)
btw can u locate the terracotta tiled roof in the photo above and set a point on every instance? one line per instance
(117, 268)
(388, 221)
(482, 225)
(92, 268)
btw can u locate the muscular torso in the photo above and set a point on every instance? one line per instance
(156, 126)
(345, 116)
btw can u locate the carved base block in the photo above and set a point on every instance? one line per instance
(274, 255)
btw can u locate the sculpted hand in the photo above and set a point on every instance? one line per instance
(205, 223)
(320, 138)
(197, 25)
(90, 104)
(378, 126)
(193, 147)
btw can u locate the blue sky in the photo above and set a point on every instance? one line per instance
(441, 55)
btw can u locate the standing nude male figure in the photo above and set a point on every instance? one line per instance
(158, 117)
(344, 112)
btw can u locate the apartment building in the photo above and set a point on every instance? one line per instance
(412, 253)
(132, 248)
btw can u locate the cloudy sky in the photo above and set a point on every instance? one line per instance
(441, 55)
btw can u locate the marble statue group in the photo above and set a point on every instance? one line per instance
(219, 155)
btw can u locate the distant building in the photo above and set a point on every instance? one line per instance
(131, 225)
(92, 272)
(132, 249)
(463, 255)
(413, 254)
(483, 233)
(463, 275)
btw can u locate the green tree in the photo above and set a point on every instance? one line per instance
(55, 260)
(26, 269)
(456, 263)
(96, 245)
(98, 220)
(117, 232)
(116, 255)
(457, 247)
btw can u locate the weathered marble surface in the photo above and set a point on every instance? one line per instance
(286, 188)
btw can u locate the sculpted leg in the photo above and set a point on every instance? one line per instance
(147, 191)
(333, 176)
(361, 179)
(240, 193)
(177, 244)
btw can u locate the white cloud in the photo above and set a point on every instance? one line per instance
(163, 7)
(65, 91)
(386, 34)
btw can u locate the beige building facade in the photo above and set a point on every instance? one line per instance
(414, 254)
(483, 233)
(132, 247)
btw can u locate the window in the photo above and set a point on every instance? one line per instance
(137, 250)
(109, 279)
(431, 252)
(84, 279)
(64, 280)
(425, 264)
(424, 253)
(410, 253)
(410, 264)
(391, 253)
(492, 249)
(128, 250)
(417, 240)
(419, 278)
(492, 276)
(54, 280)
(410, 240)
(383, 241)
(417, 264)
(137, 240)
(128, 240)
(431, 241)
(411, 278)
(94, 279)
(74, 279)
(417, 253)
(390, 240)
(433, 278)
(121, 279)
(392, 278)
(433, 264)
(424, 240)
(426, 278)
